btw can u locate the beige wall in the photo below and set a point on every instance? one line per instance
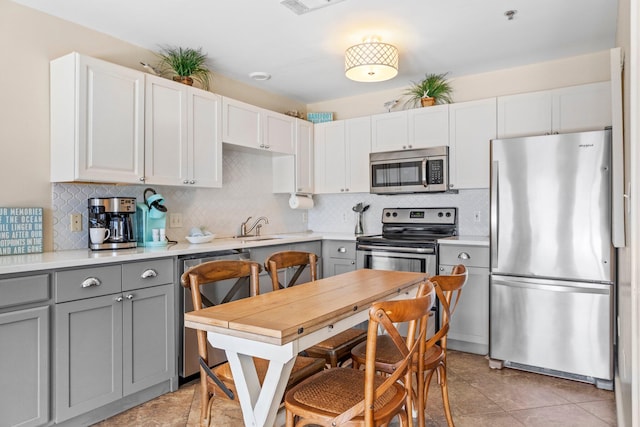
(28, 41)
(546, 75)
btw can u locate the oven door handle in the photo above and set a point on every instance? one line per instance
(382, 249)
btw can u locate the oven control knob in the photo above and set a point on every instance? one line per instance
(448, 214)
(440, 214)
(387, 214)
(395, 214)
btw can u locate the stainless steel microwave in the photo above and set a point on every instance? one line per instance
(424, 170)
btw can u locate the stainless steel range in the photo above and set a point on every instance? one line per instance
(408, 241)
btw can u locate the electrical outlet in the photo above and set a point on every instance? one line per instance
(175, 220)
(476, 216)
(76, 222)
(305, 217)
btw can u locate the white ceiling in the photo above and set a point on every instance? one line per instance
(305, 53)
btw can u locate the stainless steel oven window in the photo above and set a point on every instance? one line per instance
(383, 260)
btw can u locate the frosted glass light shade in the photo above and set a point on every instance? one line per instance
(371, 62)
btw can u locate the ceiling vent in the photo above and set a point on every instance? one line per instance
(300, 7)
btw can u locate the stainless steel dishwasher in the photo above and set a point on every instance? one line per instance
(188, 363)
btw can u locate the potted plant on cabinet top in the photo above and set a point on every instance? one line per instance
(185, 64)
(433, 89)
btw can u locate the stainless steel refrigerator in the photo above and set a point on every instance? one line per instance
(552, 260)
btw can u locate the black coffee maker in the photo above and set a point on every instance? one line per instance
(111, 223)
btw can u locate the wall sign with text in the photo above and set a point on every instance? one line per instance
(20, 231)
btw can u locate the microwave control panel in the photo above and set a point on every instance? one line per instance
(435, 171)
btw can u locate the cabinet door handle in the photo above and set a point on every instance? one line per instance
(142, 179)
(119, 299)
(186, 181)
(353, 262)
(91, 281)
(464, 255)
(342, 250)
(192, 182)
(149, 273)
(130, 296)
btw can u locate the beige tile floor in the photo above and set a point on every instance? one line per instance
(479, 397)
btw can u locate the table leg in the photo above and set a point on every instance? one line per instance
(259, 404)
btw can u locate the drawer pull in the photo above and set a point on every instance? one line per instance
(342, 250)
(149, 273)
(119, 299)
(91, 281)
(464, 255)
(130, 296)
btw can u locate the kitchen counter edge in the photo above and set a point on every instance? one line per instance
(27, 263)
(465, 240)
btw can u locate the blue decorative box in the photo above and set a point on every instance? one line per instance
(320, 117)
(20, 231)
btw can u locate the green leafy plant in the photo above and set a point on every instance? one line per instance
(433, 85)
(185, 63)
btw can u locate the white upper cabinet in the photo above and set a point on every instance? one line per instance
(97, 121)
(416, 128)
(429, 126)
(472, 126)
(389, 131)
(241, 123)
(581, 108)
(304, 157)
(295, 174)
(279, 132)
(570, 109)
(183, 136)
(205, 137)
(342, 156)
(253, 127)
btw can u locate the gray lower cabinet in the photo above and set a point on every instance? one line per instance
(24, 354)
(118, 340)
(338, 256)
(24, 367)
(469, 330)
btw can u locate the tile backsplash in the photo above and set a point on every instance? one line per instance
(333, 212)
(247, 191)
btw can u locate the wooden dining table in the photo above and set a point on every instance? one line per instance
(278, 325)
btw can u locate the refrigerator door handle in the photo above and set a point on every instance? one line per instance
(494, 214)
(592, 288)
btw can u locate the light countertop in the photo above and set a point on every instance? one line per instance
(85, 257)
(465, 240)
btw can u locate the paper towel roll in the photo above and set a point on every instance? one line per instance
(300, 202)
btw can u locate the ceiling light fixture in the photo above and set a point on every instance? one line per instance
(260, 76)
(371, 61)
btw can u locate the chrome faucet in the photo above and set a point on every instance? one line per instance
(243, 227)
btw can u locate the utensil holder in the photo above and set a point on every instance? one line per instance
(359, 229)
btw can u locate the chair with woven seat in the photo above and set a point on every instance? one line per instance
(218, 380)
(335, 350)
(448, 290)
(344, 396)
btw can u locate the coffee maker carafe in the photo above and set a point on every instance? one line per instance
(111, 223)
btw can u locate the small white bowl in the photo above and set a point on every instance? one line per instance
(201, 239)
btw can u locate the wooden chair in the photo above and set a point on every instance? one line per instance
(343, 396)
(218, 380)
(335, 350)
(448, 289)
